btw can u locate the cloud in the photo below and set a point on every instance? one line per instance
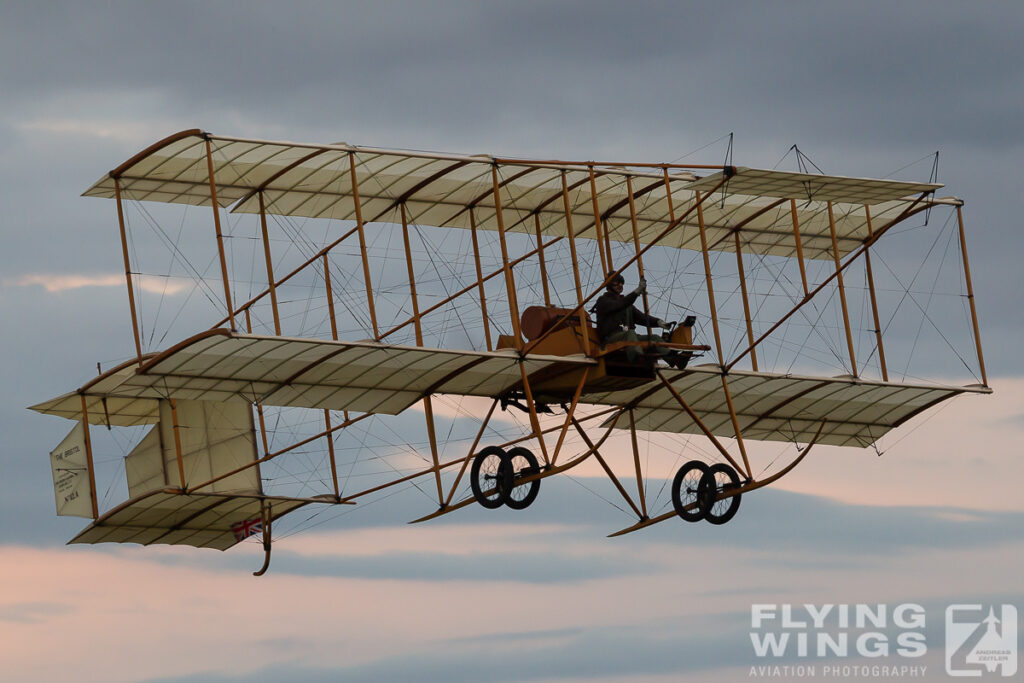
(61, 283)
(560, 597)
(33, 612)
(126, 131)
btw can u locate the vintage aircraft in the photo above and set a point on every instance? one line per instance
(491, 308)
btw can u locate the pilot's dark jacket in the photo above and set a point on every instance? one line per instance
(616, 312)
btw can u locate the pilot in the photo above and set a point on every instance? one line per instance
(617, 319)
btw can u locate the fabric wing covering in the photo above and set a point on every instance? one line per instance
(366, 377)
(215, 439)
(317, 181)
(780, 407)
(202, 520)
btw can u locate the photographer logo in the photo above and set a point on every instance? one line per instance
(981, 640)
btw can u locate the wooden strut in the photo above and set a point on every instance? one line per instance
(362, 243)
(636, 246)
(842, 289)
(220, 236)
(510, 282)
(540, 257)
(874, 301)
(330, 453)
(527, 479)
(88, 460)
(327, 413)
(569, 414)
(746, 302)
(906, 213)
(259, 471)
(636, 463)
(607, 243)
(270, 268)
(532, 408)
(177, 444)
(472, 450)
(428, 408)
(479, 282)
(127, 269)
(668, 197)
(799, 245)
(745, 488)
(700, 424)
(736, 426)
(575, 265)
(330, 298)
(970, 294)
(263, 429)
(608, 470)
(606, 259)
(707, 278)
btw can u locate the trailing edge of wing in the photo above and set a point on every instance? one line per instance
(773, 407)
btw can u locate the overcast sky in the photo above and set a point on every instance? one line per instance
(864, 88)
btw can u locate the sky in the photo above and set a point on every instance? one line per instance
(865, 89)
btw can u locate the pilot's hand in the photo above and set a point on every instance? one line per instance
(641, 288)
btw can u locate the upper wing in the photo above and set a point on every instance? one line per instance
(773, 407)
(443, 189)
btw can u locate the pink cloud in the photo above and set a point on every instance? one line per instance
(60, 283)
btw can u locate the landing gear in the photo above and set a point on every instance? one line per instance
(685, 489)
(721, 478)
(495, 476)
(696, 490)
(485, 479)
(521, 463)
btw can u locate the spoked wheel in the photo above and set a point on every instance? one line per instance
(686, 489)
(521, 463)
(485, 477)
(719, 479)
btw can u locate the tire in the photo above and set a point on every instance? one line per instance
(485, 479)
(685, 490)
(521, 463)
(720, 478)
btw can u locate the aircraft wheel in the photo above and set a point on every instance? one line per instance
(521, 463)
(720, 478)
(485, 477)
(685, 490)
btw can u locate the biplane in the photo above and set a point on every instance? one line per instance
(359, 295)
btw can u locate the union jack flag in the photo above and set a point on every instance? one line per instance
(243, 530)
